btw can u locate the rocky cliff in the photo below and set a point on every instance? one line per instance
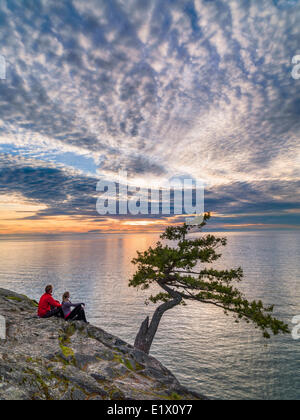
(56, 360)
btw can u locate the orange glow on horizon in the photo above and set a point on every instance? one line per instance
(143, 223)
(18, 216)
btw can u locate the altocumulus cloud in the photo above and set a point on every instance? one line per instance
(156, 87)
(64, 191)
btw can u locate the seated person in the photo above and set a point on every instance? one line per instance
(78, 314)
(48, 307)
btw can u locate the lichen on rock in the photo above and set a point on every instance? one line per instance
(51, 359)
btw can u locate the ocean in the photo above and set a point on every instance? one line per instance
(206, 350)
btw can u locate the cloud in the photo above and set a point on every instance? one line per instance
(63, 192)
(157, 88)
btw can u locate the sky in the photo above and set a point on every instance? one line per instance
(158, 88)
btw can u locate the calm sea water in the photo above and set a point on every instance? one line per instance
(207, 351)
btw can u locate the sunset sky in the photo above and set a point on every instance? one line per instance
(159, 88)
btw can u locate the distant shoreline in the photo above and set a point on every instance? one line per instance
(95, 234)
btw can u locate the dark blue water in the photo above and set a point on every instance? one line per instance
(206, 350)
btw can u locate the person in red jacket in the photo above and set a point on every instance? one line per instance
(49, 307)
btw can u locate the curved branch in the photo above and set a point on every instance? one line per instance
(147, 332)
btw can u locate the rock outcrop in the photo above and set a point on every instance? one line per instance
(57, 360)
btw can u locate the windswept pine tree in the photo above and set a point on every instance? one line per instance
(184, 273)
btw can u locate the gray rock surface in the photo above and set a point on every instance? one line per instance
(57, 360)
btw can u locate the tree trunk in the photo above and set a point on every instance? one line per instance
(146, 334)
